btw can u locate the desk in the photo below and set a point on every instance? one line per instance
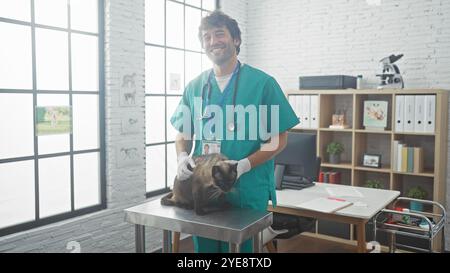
(375, 199)
(234, 226)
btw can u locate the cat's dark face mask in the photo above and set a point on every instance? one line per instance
(224, 175)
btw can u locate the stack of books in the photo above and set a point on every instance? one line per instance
(407, 159)
(330, 177)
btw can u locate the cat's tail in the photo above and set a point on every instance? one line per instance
(167, 200)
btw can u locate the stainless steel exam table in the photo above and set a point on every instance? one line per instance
(233, 226)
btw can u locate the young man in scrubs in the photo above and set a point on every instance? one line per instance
(248, 141)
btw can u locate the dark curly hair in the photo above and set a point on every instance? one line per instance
(219, 19)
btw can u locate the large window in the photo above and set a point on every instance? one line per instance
(173, 57)
(51, 56)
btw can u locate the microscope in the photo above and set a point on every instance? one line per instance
(390, 77)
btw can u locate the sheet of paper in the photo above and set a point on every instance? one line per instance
(343, 192)
(323, 204)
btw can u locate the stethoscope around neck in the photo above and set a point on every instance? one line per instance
(231, 126)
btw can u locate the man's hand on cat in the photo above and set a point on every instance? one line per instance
(183, 172)
(242, 167)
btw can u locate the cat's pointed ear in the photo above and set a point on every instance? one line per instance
(216, 173)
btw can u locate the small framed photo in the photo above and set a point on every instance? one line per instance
(372, 160)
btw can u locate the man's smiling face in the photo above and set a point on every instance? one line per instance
(218, 44)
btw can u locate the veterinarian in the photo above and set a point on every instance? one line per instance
(232, 83)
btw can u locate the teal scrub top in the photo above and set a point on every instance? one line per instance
(255, 188)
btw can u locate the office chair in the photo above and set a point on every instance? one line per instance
(297, 159)
(287, 226)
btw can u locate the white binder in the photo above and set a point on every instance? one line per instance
(419, 114)
(395, 155)
(307, 111)
(409, 114)
(293, 102)
(300, 112)
(314, 108)
(399, 157)
(399, 113)
(430, 113)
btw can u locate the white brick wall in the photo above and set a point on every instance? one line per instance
(237, 9)
(290, 38)
(106, 231)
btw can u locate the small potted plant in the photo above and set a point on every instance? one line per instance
(416, 193)
(374, 184)
(334, 150)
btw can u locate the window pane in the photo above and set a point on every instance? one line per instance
(172, 103)
(193, 17)
(51, 12)
(85, 122)
(86, 180)
(206, 63)
(16, 193)
(209, 4)
(196, 3)
(52, 61)
(15, 57)
(84, 15)
(175, 71)
(15, 9)
(154, 70)
(154, 119)
(16, 125)
(54, 186)
(84, 62)
(171, 164)
(193, 66)
(174, 23)
(53, 143)
(156, 170)
(154, 21)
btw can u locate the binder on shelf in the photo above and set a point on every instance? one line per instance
(399, 113)
(418, 160)
(410, 167)
(395, 155)
(404, 165)
(300, 112)
(419, 114)
(400, 156)
(306, 111)
(314, 108)
(409, 114)
(293, 102)
(430, 113)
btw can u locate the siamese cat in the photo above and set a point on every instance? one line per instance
(205, 190)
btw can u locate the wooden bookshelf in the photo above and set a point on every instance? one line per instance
(358, 140)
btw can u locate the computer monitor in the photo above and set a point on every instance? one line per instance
(298, 158)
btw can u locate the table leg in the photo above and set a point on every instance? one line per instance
(167, 241)
(139, 238)
(176, 242)
(234, 248)
(257, 243)
(361, 237)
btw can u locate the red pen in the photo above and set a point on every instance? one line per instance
(337, 199)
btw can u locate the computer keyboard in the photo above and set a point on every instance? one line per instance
(296, 182)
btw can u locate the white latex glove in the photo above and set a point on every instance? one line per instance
(183, 173)
(242, 167)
